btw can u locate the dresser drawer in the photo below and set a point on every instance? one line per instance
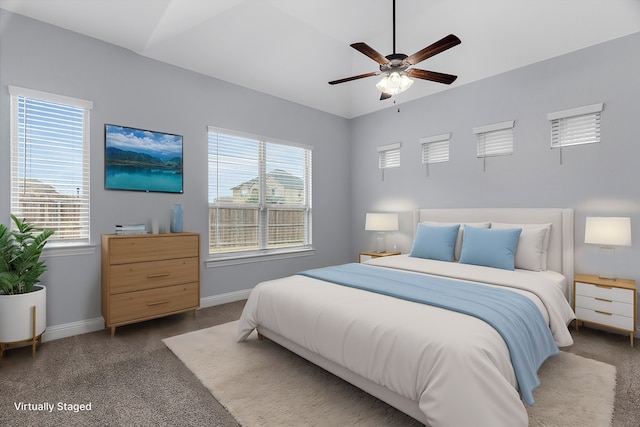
(605, 292)
(153, 302)
(153, 274)
(613, 320)
(130, 249)
(606, 305)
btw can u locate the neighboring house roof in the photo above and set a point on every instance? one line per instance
(283, 177)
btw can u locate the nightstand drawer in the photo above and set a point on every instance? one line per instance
(605, 319)
(605, 292)
(606, 305)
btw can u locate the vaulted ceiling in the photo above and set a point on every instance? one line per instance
(292, 48)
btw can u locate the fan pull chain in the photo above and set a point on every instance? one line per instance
(394, 101)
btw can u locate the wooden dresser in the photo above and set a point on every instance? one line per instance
(148, 276)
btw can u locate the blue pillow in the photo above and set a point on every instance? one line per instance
(435, 242)
(490, 247)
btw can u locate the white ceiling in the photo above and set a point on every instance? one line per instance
(292, 48)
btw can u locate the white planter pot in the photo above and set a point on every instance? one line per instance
(16, 315)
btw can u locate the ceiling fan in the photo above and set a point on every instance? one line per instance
(397, 66)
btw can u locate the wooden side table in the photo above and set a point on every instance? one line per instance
(605, 302)
(366, 256)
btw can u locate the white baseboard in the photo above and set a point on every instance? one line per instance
(97, 323)
(74, 328)
(224, 298)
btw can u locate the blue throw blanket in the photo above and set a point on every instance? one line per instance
(513, 315)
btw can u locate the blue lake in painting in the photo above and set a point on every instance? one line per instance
(143, 179)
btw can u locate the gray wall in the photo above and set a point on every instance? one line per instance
(131, 90)
(596, 180)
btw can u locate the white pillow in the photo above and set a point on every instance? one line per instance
(458, 248)
(533, 245)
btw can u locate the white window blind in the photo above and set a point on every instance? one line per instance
(495, 140)
(389, 156)
(435, 149)
(259, 194)
(575, 126)
(50, 163)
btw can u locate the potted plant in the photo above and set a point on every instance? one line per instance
(23, 312)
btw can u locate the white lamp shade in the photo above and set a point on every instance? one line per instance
(613, 231)
(381, 222)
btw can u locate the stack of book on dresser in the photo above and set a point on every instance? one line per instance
(131, 229)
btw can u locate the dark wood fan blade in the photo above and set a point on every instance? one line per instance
(348, 79)
(370, 52)
(440, 46)
(431, 75)
(384, 96)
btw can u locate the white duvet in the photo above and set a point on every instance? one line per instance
(455, 366)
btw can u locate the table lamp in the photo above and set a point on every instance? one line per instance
(381, 222)
(608, 232)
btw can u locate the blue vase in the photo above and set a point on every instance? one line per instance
(176, 219)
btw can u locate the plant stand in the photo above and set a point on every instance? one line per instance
(34, 339)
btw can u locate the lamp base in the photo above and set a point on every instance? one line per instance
(380, 244)
(607, 263)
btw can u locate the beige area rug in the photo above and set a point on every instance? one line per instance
(263, 384)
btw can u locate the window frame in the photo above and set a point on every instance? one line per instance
(18, 96)
(263, 207)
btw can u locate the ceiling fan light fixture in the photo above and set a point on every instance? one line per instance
(394, 83)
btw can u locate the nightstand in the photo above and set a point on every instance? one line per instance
(366, 256)
(605, 302)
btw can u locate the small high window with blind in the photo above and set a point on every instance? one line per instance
(259, 194)
(435, 149)
(388, 157)
(575, 126)
(495, 139)
(50, 163)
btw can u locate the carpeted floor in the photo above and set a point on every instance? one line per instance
(134, 380)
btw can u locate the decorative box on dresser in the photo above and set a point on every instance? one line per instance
(606, 302)
(148, 276)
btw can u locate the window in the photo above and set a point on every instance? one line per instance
(389, 157)
(435, 149)
(575, 126)
(50, 163)
(494, 140)
(259, 194)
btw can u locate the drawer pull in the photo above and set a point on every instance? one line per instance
(151, 304)
(157, 275)
(602, 299)
(603, 312)
(603, 286)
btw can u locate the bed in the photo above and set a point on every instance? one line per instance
(442, 366)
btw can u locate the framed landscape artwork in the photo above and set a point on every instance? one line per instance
(142, 160)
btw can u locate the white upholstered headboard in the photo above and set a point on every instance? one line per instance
(560, 255)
